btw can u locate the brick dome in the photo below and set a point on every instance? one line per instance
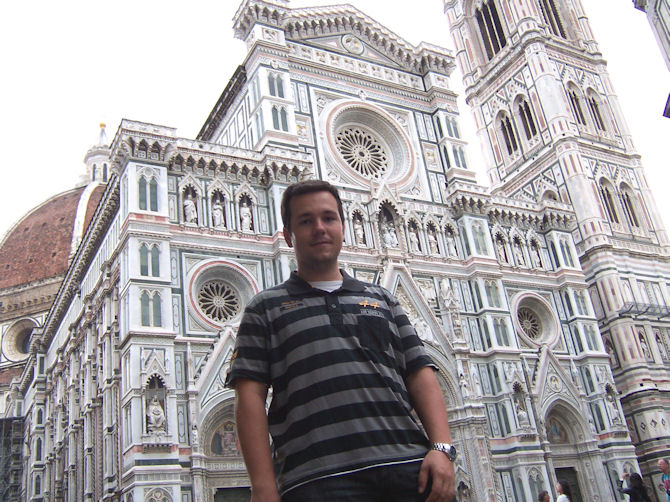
(37, 247)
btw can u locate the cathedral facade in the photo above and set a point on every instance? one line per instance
(542, 299)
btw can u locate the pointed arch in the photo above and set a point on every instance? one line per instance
(491, 32)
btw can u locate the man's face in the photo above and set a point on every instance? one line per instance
(663, 466)
(546, 498)
(316, 232)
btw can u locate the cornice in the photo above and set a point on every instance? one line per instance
(308, 23)
(85, 253)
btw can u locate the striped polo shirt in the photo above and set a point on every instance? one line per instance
(337, 364)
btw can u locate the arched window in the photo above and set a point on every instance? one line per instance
(153, 194)
(438, 125)
(38, 449)
(142, 193)
(500, 327)
(94, 172)
(454, 126)
(552, 247)
(490, 28)
(577, 340)
(283, 119)
(156, 309)
(594, 108)
(567, 255)
(144, 260)
(551, 18)
(148, 193)
(628, 202)
(576, 105)
(509, 136)
(104, 172)
(149, 260)
(526, 117)
(276, 85)
(568, 304)
(275, 118)
(606, 192)
(445, 151)
(155, 263)
(150, 309)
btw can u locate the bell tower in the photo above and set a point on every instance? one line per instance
(552, 130)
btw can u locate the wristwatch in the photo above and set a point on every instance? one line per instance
(448, 449)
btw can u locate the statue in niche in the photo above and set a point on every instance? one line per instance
(535, 255)
(661, 345)
(518, 252)
(218, 219)
(644, 346)
(432, 242)
(451, 244)
(423, 330)
(447, 295)
(500, 247)
(612, 408)
(155, 416)
(389, 234)
(246, 220)
(521, 413)
(414, 240)
(190, 211)
(465, 387)
(476, 383)
(359, 231)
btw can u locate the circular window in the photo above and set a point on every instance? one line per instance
(534, 320)
(218, 291)
(362, 151)
(529, 322)
(218, 301)
(16, 342)
(364, 143)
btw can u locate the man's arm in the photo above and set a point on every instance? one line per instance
(252, 431)
(427, 399)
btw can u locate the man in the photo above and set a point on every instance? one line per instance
(543, 496)
(664, 467)
(346, 368)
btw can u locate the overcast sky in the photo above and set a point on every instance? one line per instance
(67, 66)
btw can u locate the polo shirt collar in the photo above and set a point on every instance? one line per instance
(296, 285)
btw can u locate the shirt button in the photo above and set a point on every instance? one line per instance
(333, 306)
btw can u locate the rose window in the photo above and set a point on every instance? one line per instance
(362, 151)
(530, 323)
(218, 301)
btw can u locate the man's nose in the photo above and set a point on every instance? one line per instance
(319, 225)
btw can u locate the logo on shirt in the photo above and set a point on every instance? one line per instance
(374, 313)
(291, 304)
(368, 304)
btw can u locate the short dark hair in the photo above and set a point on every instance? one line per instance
(302, 188)
(541, 495)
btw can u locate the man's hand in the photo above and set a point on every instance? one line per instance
(437, 468)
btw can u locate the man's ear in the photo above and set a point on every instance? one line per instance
(287, 237)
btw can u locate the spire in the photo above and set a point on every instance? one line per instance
(102, 139)
(97, 160)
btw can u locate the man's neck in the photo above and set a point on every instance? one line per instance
(320, 275)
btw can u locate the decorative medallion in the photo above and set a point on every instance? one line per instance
(218, 301)
(530, 323)
(362, 151)
(352, 44)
